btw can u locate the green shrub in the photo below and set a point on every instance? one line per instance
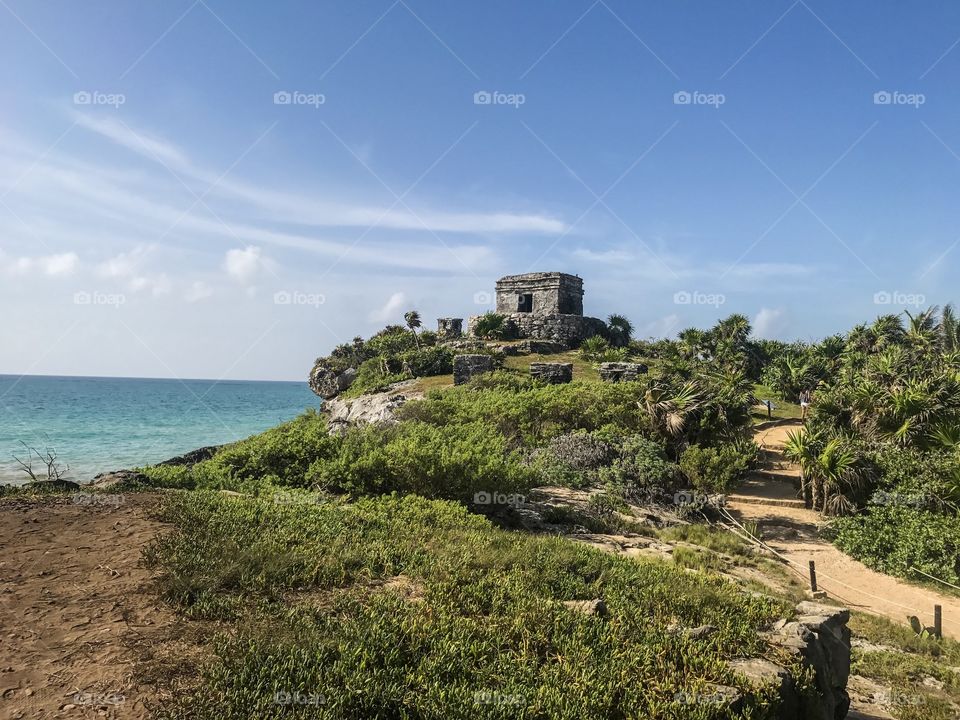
(403, 607)
(894, 539)
(491, 325)
(641, 473)
(572, 460)
(717, 469)
(432, 461)
(532, 416)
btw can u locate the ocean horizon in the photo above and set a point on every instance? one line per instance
(99, 424)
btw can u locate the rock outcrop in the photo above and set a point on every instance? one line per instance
(328, 383)
(820, 639)
(372, 409)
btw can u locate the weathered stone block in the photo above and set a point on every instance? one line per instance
(449, 328)
(621, 371)
(468, 366)
(554, 373)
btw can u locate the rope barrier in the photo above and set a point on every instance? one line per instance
(794, 565)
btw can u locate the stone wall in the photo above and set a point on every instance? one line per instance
(554, 373)
(449, 328)
(567, 329)
(553, 293)
(468, 366)
(621, 371)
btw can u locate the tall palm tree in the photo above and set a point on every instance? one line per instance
(949, 329)
(413, 322)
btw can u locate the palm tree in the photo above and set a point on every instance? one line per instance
(799, 448)
(949, 329)
(413, 322)
(620, 330)
(669, 409)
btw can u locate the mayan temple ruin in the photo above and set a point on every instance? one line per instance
(544, 306)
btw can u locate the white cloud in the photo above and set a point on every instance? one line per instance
(391, 309)
(57, 265)
(664, 327)
(198, 291)
(156, 284)
(244, 265)
(768, 323)
(603, 256)
(308, 209)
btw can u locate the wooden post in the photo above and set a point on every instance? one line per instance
(813, 576)
(938, 622)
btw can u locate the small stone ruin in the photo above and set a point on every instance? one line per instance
(545, 306)
(468, 366)
(553, 373)
(621, 371)
(449, 329)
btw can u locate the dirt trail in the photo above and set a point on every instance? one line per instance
(77, 617)
(794, 532)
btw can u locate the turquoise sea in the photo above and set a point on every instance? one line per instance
(101, 424)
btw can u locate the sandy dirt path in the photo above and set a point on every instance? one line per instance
(77, 616)
(794, 532)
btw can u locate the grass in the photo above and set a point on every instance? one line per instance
(582, 369)
(405, 607)
(782, 410)
(902, 669)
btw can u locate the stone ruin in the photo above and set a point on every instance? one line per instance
(553, 373)
(466, 367)
(545, 306)
(621, 371)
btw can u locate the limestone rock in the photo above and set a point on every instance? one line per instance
(373, 409)
(821, 638)
(108, 480)
(328, 383)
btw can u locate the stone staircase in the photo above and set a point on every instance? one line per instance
(777, 482)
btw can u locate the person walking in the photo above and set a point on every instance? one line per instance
(804, 403)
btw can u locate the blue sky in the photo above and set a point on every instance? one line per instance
(164, 211)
